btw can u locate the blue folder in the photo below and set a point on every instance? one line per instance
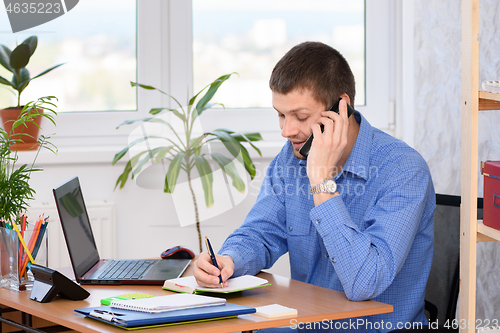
(134, 319)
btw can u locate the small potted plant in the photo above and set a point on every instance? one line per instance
(16, 192)
(15, 61)
(183, 151)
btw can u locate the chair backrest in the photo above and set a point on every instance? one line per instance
(442, 286)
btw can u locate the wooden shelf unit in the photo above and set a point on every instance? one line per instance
(486, 234)
(471, 230)
(488, 101)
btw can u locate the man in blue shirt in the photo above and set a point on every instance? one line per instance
(355, 216)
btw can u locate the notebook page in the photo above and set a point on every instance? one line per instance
(169, 302)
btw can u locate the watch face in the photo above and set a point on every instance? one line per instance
(330, 185)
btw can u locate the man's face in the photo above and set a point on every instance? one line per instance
(297, 111)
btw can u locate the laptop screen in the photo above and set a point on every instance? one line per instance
(76, 226)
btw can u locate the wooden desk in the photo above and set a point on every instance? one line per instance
(314, 304)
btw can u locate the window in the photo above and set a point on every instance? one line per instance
(250, 37)
(97, 43)
(361, 32)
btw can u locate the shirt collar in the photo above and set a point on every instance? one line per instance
(358, 162)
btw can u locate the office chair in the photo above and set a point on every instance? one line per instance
(441, 293)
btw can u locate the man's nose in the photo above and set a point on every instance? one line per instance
(289, 128)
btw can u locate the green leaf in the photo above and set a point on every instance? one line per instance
(162, 153)
(237, 150)
(229, 142)
(247, 162)
(214, 86)
(47, 70)
(196, 142)
(24, 80)
(173, 173)
(149, 156)
(20, 56)
(5, 81)
(247, 137)
(32, 42)
(125, 150)
(229, 168)
(206, 177)
(135, 84)
(5, 53)
(179, 115)
(129, 122)
(242, 137)
(122, 179)
(206, 107)
(191, 101)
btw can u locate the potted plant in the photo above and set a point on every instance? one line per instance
(15, 61)
(15, 190)
(15, 194)
(184, 151)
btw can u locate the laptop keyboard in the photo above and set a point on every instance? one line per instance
(126, 269)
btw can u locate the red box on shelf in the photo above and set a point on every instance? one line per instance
(491, 193)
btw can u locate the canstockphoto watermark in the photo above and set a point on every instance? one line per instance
(353, 324)
(26, 14)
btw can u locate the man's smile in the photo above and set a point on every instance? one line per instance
(297, 144)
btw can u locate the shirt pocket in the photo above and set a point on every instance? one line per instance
(298, 227)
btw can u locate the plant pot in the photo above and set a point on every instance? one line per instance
(30, 141)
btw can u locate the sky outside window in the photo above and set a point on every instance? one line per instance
(97, 42)
(249, 37)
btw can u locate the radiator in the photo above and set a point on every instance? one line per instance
(103, 222)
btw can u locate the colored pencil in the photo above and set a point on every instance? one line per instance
(31, 245)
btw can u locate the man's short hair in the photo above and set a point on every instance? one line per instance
(317, 67)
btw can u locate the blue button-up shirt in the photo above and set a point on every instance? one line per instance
(373, 241)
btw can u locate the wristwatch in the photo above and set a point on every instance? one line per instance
(326, 186)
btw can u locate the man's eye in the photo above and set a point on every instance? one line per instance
(281, 115)
(302, 119)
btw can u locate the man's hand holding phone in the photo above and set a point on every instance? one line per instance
(304, 150)
(330, 139)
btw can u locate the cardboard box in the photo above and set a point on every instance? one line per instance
(491, 193)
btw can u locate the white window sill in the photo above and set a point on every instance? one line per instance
(105, 154)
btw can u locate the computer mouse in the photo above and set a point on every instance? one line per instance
(177, 252)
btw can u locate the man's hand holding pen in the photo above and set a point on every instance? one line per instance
(207, 275)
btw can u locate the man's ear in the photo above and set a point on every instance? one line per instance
(346, 98)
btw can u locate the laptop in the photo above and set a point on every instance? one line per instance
(87, 265)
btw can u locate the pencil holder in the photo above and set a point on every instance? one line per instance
(15, 274)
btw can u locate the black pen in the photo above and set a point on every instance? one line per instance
(212, 256)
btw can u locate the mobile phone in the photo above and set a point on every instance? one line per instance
(304, 150)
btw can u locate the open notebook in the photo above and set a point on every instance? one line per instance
(188, 285)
